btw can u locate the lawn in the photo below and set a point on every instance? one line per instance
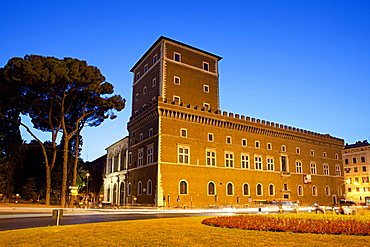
(166, 232)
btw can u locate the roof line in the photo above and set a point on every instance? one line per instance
(175, 41)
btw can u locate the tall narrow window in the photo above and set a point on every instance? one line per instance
(300, 190)
(150, 154)
(246, 190)
(149, 187)
(205, 88)
(337, 170)
(145, 68)
(140, 156)
(155, 58)
(327, 191)
(259, 190)
(244, 161)
(314, 190)
(270, 164)
(283, 148)
(230, 189)
(312, 153)
(244, 142)
(183, 154)
(284, 165)
(326, 169)
(211, 157)
(228, 139)
(211, 188)
(206, 66)
(150, 134)
(257, 144)
(313, 168)
(183, 187)
(139, 188)
(271, 190)
(298, 165)
(229, 159)
(210, 137)
(269, 146)
(324, 154)
(258, 162)
(176, 99)
(154, 82)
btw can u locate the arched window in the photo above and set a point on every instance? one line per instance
(230, 189)
(271, 190)
(139, 188)
(246, 190)
(183, 187)
(211, 188)
(108, 195)
(327, 191)
(300, 190)
(149, 187)
(314, 190)
(259, 190)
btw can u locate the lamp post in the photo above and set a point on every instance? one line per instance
(87, 186)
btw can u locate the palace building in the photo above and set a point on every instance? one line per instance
(182, 150)
(356, 163)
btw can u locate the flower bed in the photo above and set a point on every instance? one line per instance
(292, 224)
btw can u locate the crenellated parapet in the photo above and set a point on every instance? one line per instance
(228, 120)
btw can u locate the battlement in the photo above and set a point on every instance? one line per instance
(229, 116)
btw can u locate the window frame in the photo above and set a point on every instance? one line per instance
(212, 159)
(229, 159)
(175, 55)
(214, 189)
(176, 80)
(227, 189)
(205, 88)
(258, 164)
(182, 131)
(181, 192)
(205, 66)
(185, 156)
(244, 161)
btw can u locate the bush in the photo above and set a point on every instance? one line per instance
(335, 226)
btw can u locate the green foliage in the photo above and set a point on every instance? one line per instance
(29, 191)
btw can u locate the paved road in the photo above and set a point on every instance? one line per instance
(39, 221)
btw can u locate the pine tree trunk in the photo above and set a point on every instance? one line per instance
(48, 186)
(65, 170)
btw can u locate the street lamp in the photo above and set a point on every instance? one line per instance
(87, 178)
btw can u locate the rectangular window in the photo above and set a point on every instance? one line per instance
(155, 58)
(324, 154)
(258, 162)
(313, 168)
(150, 134)
(206, 66)
(229, 159)
(337, 170)
(211, 157)
(346, 161)
(205, 88)
(129, 158)
(176, 99)
(298, 150)
(137, 75)
(355, 169)
(183, 132)
(257, 144)
(270, 164)
(283, 148)
(154, 82)
(312, 153)
(365, 179)
(140, 156)
(364, 169)
(228, 139)
(326, 169)
(144, 90)
(244, 158)
(183, 154)
(354, 160)
(336, 156)
(176, 80)
(362, 159)
(177, 56)
(298, 166)
(141, 137)
(269, 146)
(210, 137)
(150, 154)
(145, 68)
(206, 105)
(244, 142)
(348, 170)
(284, 165)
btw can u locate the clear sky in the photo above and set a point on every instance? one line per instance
(301, 63)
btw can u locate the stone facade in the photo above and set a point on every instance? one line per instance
(184, 151)
(356, 163)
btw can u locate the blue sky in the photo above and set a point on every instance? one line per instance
(300, 63)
